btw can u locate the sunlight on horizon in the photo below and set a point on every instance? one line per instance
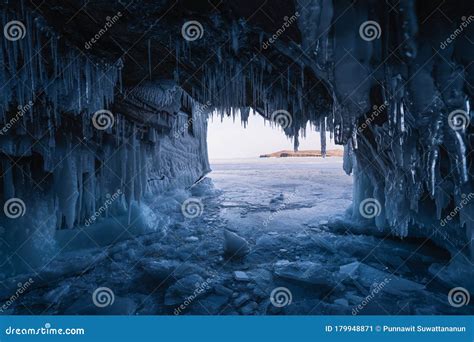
(227, 139)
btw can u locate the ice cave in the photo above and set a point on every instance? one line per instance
(110, 204)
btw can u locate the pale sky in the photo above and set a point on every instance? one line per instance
(228, 139)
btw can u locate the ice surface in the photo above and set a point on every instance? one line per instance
(195, 274)
(393, 118)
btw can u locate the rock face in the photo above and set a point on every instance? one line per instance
(306, 153)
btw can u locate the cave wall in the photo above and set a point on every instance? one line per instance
(391, 81)
(401, 79)
(412, 139)
(78, 147)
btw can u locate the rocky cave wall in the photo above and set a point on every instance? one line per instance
(391, 81)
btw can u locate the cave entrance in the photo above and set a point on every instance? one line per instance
(266, 189)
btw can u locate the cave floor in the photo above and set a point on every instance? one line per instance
(302, 259)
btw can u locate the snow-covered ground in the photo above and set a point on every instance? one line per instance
(289, 250)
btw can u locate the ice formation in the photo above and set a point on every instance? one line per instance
(389, 99)
(60, 161)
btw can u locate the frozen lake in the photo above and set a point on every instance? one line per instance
(286, 217)
(281, 193)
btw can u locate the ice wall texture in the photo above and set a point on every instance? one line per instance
(389, 80)
(404, 108)
(77, 146)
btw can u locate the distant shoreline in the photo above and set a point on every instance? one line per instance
(304, 153)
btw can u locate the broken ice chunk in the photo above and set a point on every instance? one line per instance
(305, 272)
(241, 276)
(368, 276)
(234, 245)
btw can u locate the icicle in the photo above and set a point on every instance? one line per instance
(354, 137)
(235, 37)
(296, 142)
(402, 118)
(322, 132)
(149, 58)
